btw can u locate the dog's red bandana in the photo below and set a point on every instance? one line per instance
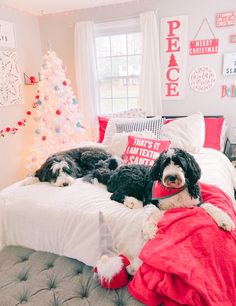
(161, 192)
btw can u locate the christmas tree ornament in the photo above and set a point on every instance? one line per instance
(111, 267)
(28, 113)
(56, 87)
(37, 131)
(74, 101)
(8, 129)
(44, 138)
(58, 112)
(78, 125)
(39, 102)
(20, 123)
(64, 83)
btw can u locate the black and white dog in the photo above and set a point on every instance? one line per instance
(178, 171)
(129, 184)
(61, 169)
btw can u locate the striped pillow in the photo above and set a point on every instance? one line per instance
(150, 124)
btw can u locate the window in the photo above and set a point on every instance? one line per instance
(118, 64)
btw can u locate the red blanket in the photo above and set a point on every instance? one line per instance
(191, 261)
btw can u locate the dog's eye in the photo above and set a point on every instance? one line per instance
(67, 170)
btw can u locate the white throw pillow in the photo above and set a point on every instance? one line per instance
(135, 124)
(120, 140)
(186, 133)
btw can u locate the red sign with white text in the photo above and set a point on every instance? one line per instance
(144, 151)
(204, 46)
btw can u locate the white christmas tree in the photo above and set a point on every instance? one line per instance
(58, 121)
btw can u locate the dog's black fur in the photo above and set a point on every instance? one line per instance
(124, 180)
(74, 163)
(186, 162)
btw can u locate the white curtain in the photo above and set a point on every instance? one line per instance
(86, 75)
(150, 78)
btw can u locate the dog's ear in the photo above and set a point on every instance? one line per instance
(193, 171)
(157, 168)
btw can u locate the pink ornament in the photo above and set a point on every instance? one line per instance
(58, 112)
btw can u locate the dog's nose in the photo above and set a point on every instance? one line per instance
(65, 184)
(172, 178)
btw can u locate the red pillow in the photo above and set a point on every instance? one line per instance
(103, 121)
(144, 151)
(213, 129)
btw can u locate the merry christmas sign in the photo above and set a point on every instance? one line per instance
(202, 78)
(204, 46)
(173, 56)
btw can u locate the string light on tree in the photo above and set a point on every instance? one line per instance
(57, 120)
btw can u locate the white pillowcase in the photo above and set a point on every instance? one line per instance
(186, 133)
(155, 124)
(119, 141)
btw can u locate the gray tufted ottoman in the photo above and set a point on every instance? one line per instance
(44, 279)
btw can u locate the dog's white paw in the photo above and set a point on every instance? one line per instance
(150, 227)
(221, 218)
(134, 265)
(30, 180)
(132, 203)
(149, 230)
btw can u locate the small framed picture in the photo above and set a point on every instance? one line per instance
(7, 34)
(229, 64)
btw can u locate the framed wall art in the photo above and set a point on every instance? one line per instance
(10, 79)
(7, 35)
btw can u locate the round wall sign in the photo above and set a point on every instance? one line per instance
(202, 78)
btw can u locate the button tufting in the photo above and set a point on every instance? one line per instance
(22, 277)
(24, 259)
(50, 265)
(51, 284)
(79, 271)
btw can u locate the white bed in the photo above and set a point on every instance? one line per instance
(65, 220)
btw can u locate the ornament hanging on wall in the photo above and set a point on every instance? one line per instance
(202, 78)
(204, 46)
(225, 19)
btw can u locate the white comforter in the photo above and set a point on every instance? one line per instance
(65, 220)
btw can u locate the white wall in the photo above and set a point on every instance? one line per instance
(12, 147)
(59, 30)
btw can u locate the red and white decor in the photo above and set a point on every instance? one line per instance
(232, 39)
(228, 91)
(225, 19)
(204, 46)
(173, 55)
(202, 78)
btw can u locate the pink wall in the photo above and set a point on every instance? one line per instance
(12, 147)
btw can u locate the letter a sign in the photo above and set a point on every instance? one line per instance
(173, 56)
